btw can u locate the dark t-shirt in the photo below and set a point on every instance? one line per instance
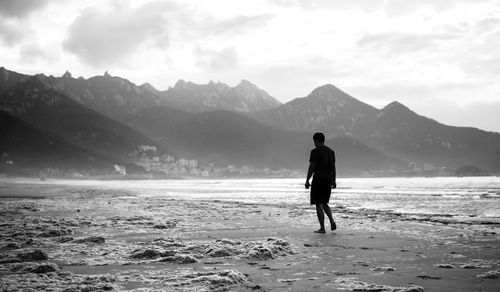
(324, 157)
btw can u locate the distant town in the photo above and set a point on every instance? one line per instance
(164, 165)
(155, 162)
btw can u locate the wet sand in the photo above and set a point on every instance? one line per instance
(56, 237)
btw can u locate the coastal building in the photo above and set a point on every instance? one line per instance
(120, 169)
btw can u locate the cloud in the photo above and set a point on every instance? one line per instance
(487, 24)
(404, 7)
(364, 5)
(224, 60)
(467, 116)
(403, 41)
(288, 81)
(235, 24)
(481, 60)
(105, 38)
(195, 26)
(33, 52)
(392, 8)
(450, 103)
(425, 97)
(20, 8)
(14, 27)
(111, 37)
(11, 32)
(483, 67)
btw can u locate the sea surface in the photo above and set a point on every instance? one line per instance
(461, 197)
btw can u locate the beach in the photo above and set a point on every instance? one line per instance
(248, 235)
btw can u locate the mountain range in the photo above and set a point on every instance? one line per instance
(244, 97)
(27, 146)
(105, 119)
(394, 129)
(35, 103)
(225, 137)
(120, 99)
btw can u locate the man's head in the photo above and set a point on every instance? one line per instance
(319, 139)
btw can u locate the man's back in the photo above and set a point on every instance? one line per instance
(324, 158)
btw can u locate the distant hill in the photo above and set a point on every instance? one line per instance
(38, 104)
(470, 170)
(326, 109)
(24, 148)
(241, 125)
(224, 138)
(394, 130)
(243, 97)
(10, 78)
(114, 97)
(119, 98)
(403, 133)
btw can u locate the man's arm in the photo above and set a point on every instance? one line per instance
(334, 176)
(334, 171)
(310, 172)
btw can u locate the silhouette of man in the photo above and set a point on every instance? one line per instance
(322, 166)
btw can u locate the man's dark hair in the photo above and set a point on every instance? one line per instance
(320, 137)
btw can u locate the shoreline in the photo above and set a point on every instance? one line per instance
(478, 191)
(187, 177)
(117, 239)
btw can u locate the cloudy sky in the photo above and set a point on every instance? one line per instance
(441, 58)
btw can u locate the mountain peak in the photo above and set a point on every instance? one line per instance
(180, 83)
(213, 83)
(39, 76)
(4, 71)
(67, 74)
(148, 86)
(328, 87)
(243, 97)
(395, 109)
(246, 83)
(328, 91)
(395, 106)
(10, 78)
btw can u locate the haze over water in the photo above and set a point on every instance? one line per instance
(468, 198)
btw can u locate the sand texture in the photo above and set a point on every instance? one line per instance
(69, 238)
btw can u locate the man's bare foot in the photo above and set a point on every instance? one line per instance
(333, 225)
(320, 231)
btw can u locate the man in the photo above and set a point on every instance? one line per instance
(322, 165)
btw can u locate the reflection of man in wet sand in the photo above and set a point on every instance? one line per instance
(322, 165)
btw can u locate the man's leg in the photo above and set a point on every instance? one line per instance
(328, 212)
(321, 218)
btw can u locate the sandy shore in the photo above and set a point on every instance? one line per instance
(55, 237)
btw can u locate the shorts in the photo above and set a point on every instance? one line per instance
(320, 191)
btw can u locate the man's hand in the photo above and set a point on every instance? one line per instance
(307, 185)
(334, 185)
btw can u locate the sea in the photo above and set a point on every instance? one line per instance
(476, 198)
